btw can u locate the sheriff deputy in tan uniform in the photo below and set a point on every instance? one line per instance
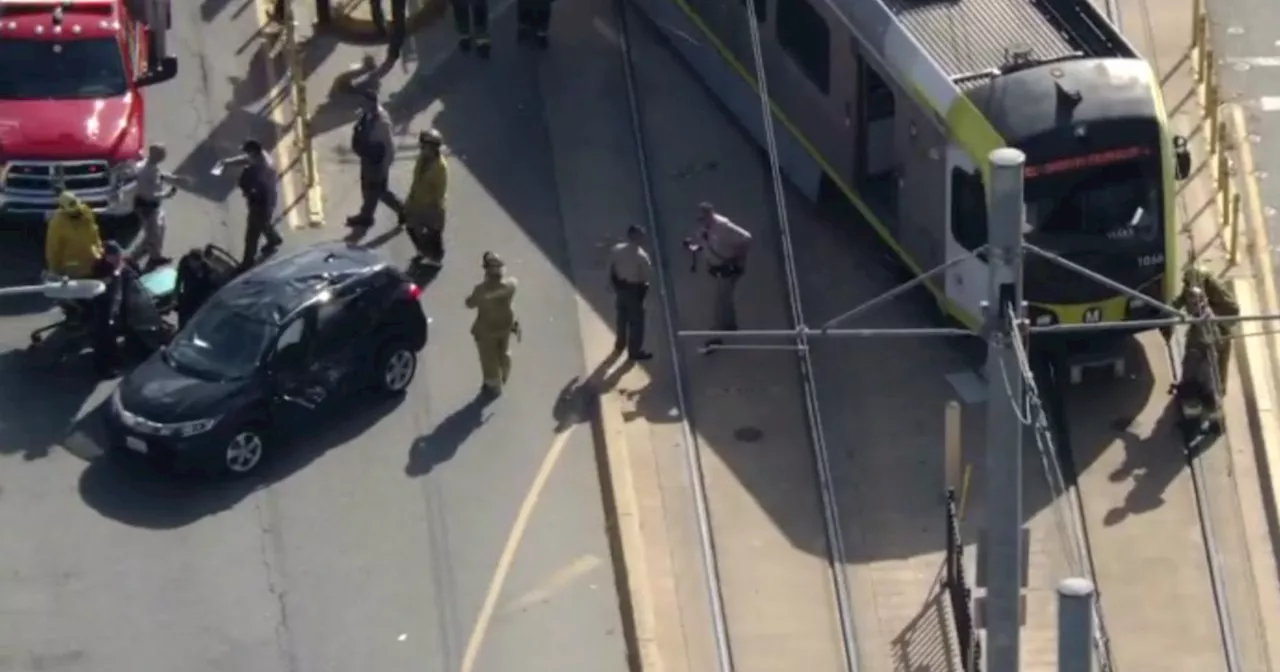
(630, 272)
(495, 322)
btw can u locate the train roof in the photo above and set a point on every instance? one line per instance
(942, 48)
(1029, 102)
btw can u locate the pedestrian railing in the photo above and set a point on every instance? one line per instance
(1209, 95)
(959, 593)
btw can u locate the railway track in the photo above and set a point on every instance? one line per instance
(628, 21)
(1134, 546)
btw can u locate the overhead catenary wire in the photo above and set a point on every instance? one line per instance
(813, 413)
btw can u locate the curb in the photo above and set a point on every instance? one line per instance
(363, 31)
(623, 527)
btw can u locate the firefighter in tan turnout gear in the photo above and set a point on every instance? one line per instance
(1201, 293)
(495, 322)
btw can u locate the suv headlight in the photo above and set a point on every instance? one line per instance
(175, 429)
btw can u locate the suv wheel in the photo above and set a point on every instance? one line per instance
(244, 451)
(397, 365)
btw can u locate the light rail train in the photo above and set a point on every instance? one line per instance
(895, 105)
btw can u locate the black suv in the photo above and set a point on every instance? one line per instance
(272, 350)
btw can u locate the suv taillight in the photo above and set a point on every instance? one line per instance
(414, 291)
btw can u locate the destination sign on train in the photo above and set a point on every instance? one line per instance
(1093, 160)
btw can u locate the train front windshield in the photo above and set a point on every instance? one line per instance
(1121, 202)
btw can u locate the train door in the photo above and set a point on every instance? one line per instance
(876, 155)
(966, 230)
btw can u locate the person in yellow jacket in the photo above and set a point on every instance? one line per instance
(495, 322)
(73, 244)
(424, 206)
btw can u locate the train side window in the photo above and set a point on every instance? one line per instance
(880, 100)
(803, 34)
(762, 9)
(968, 209)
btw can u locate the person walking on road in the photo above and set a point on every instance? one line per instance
(373, 143)
(425, 205)
(725, 246)
(630, 272)
(495, 322)
(471, 18)
(533, 20)
(154, 185)
(258, 183)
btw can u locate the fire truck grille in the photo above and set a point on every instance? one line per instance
(50, 178)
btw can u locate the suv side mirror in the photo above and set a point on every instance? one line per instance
(1181, 158)
(156, 73)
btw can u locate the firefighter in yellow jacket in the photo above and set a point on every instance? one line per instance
(495, 322)
(424, 206)
(73, 244)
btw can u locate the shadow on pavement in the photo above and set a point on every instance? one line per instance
(439, 446)
(247, 115)
(38, 407)
(141, 496)
(21, 260)
(1151, 465)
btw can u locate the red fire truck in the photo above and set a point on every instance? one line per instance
(71, 105)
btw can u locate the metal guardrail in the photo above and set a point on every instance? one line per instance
(1204, 68)
(302, 116)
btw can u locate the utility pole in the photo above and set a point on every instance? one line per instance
(1003, 474)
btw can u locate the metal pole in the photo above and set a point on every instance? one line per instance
(1075, 625)
(900, 289)
(1003, 556)
(789, 334)
(1103, 280)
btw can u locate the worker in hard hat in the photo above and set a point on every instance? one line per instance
(424, 206)
(495, 322)
(1204, 294)
(73, 244)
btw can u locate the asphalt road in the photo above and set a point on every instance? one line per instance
(433, 534)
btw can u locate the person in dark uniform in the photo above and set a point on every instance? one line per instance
(258, 183)
(533, 20)
(471, 17)
(373, 143)
(630, 272)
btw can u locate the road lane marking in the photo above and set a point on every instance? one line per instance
(505, 561)
(559, 580)
(283, 152)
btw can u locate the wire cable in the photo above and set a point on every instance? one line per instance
(831, 516)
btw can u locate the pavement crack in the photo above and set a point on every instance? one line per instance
(267, 553)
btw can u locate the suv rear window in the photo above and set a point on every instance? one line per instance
(59, 70)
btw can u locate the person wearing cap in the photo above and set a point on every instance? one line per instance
(372, 142)
(495, 322)
(154, 185)
(258, 183)
(533, 19)
(724, 244)
(425, 205)
(630, 272)
(471, 18)
(73, 243)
